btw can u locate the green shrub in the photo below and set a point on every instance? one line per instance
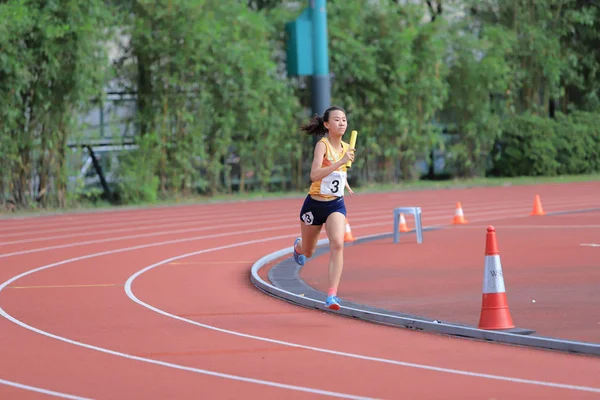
(578, 143)
(526, 147)
(531, 145)
(137, 181)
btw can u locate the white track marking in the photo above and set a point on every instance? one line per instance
(536, 226)
(217, 235)
(109, 218)
(201, 218)
(207, 225)
(153, 214)
(591, 244)
(132, 296)
(156, 362)
(152, 223)
(164, 233)
(234, 377)
(148, 221)
(40, 390)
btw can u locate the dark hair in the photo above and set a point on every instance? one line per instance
(316, 125)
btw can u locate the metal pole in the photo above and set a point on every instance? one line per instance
(320, 80)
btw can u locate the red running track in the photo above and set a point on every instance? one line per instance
(157, 303)
(550, 265)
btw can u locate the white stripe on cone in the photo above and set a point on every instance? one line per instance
(493, 280)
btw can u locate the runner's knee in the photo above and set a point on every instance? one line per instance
(336, 244)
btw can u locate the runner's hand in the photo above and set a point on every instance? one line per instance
(349, 156)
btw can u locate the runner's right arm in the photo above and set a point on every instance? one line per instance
(318, 172)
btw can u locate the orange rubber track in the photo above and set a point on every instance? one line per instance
(157, 303)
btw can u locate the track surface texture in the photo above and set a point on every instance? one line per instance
(157, 303)
(551, 279)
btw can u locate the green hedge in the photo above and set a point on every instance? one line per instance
(531, 145)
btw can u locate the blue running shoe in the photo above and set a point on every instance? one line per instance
(299, 258)
(333, 303)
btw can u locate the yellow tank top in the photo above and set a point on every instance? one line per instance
(332, 185)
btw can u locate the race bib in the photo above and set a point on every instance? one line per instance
(334, 184)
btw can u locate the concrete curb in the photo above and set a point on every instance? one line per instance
(290, 287)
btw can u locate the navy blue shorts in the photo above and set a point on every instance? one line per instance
(315, 212)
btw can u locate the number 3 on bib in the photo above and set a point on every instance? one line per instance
(334, 184)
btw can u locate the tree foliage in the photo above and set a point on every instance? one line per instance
(499, 86)
(53, 60)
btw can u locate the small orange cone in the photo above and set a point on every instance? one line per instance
(459, 217)
(537, 206)
(403, 226)
(494, 305)
(348, 235)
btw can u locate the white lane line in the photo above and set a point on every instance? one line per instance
(217, 235)
(129, 292)
(195, 220)
(148, 222)
(371, 216)
(536, 226)
(132, 296)
(209, 219)
(591, 244)
(41, 390)
(157, 362)
(88, 221)
(235, 377)
(205, 224)
(110, 217)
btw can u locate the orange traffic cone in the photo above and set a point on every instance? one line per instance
(537, 206)
(348, 235)
(494, 306)
(403, 226)
(459, 217)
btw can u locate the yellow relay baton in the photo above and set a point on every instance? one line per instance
(352, 144)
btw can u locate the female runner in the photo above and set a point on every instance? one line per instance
(324, 203)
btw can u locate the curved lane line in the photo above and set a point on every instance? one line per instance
(157, 362)
(369, 216)
(234, 377)
(286, 250)
(149, 223)
(41, 390)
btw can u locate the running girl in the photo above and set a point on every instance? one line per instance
(324, 203)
